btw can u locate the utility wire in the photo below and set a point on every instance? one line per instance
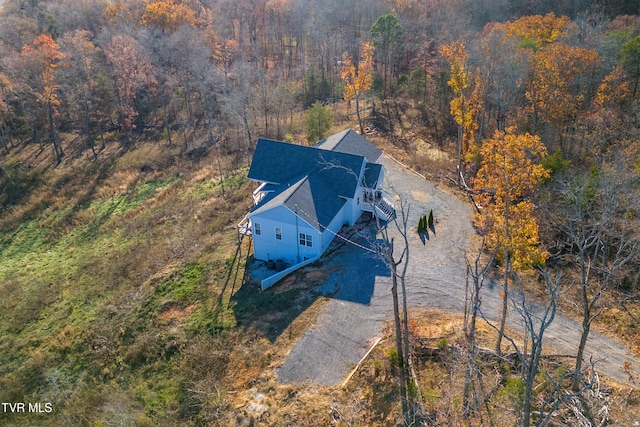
(336, 234)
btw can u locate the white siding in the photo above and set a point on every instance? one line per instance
(334, 226)
(354, 206)
(306, 252)
(383, 172)
(266, 246)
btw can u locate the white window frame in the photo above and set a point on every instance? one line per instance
(305, 239)
(256, 229)
(278, 233)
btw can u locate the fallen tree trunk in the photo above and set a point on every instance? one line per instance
(422, 350)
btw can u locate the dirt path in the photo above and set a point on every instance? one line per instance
(361, 297)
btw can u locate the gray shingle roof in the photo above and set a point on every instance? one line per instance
(349, 141)
(313, 181)
(310, 197)
(280, 162)
(372, 174)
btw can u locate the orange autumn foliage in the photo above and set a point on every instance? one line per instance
(45, 54)
(552, 89)
(508, 175)
(357, 77)
(168, 15)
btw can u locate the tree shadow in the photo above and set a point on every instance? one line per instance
(424, 236)
(356, 275)
(233, 266)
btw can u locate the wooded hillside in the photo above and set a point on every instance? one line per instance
(126, 129)
(193, 72)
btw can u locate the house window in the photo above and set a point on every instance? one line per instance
(278, 233)
(306, 240)
(256, 229)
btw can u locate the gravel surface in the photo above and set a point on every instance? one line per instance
(361, 297)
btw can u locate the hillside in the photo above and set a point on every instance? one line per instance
(126, 133)
(113, 268)
(129, 305)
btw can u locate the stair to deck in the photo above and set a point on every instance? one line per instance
(384, 209)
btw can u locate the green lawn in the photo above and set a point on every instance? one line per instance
(107, 277)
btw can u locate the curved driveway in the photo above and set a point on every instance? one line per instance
(361, 298)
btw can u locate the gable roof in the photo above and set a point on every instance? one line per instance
(280, 162)
(312, 181)
(309, 197)
(277, 162)
(350, 142)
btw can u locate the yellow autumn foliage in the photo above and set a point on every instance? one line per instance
(514, 229)
(509, 173)
(614, 88)
(537, 31)
(550, 89)
(358, 79)
(467, 103)
(168, 15)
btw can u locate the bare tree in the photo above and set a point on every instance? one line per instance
(82, 54)
(477, 269)
(398, 268)
(599, 237)
(536, 320)
(238, 99)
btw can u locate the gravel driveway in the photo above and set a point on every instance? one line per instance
(361, 296)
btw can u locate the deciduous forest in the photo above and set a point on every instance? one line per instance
(126, 129)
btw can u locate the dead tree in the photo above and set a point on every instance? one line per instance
(597, 224)
(398, 268)
(536, 319)
(477, 269)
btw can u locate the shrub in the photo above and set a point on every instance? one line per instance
(412, 390)
(16, 183)
(430, 220)
(318, 120)
(423, 223)
(394, 359)
(443, 343)
(514, 390)
(145, 349)
(431, 396)
(556, 162)
(377, 367)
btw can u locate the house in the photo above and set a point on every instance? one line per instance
(307, 193)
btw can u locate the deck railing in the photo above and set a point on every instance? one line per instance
(244, 227)
(379, 203)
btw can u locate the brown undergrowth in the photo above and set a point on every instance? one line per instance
(440, 379)
(125, 301)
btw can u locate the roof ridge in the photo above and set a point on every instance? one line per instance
(313, 147)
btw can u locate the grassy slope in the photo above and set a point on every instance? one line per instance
(107, 277)
(123, 304)
(124, 301)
